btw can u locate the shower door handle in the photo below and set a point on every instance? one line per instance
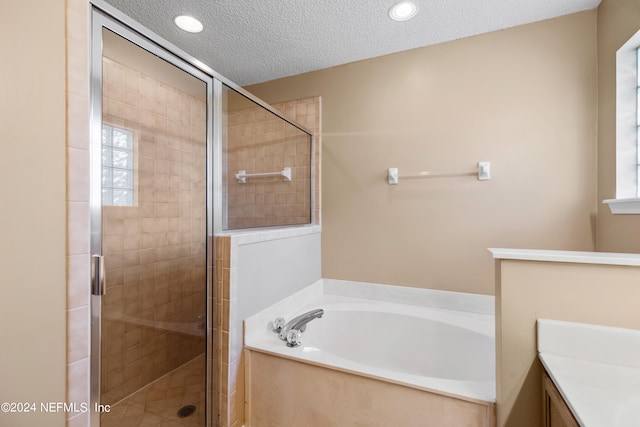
(97, 275)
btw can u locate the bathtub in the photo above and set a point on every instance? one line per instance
(439, 342)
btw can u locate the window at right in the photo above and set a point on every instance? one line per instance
(627, 199)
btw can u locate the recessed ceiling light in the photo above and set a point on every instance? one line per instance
(403, 10)
(188, 23)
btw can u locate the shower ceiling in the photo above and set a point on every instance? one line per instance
(252, 41)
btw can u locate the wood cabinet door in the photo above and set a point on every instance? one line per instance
(556, 411)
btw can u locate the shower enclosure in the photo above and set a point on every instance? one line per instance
(167, 135)
(150, 135)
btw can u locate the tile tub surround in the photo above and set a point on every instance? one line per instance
(595, 368)
(307, 396)
(265, 352)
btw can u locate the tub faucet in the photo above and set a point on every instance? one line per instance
(290, 331)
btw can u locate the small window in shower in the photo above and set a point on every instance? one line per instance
(117, 166)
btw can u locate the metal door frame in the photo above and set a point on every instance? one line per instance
(102, 17)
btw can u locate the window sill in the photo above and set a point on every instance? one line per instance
(623, 206)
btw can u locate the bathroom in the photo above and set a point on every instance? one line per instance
(538, 101)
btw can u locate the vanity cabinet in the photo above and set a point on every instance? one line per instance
(556, 413)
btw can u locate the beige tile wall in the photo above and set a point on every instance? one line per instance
(284, 392)
(78, 300)
(258, 141)
(308, 113)
(154, 308)
(220, 396)
(229, 399)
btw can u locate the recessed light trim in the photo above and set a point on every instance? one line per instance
(188, 23)
(403, 11)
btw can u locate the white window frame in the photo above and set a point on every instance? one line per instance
(627, 199)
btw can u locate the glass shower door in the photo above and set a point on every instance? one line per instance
(149, 225)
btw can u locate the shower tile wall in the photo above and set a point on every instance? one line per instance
(78, 300)
(221, 305)
(258, 141)
(308, 113)
(153, 311)
(229, 393)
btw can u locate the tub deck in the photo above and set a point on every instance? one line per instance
(405, 362)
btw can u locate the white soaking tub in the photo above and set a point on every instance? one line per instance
(440, 342)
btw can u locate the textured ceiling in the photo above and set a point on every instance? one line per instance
(251, 41)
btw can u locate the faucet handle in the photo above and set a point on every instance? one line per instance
(293, 338)
(278, 324)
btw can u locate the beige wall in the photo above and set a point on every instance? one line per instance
(527, 291)
(618, 20)
(522, 98)
(32, 190)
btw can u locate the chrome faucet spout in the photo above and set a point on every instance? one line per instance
(299, 323)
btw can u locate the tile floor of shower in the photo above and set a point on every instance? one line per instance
(158, 403)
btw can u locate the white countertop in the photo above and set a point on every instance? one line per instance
(596, 370)
(609, 258)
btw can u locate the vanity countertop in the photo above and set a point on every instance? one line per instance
(606, 258)
(595, 368)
